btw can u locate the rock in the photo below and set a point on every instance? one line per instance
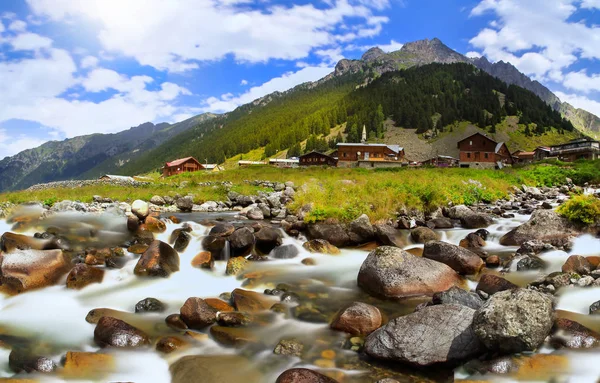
(157, 200)
(320, 246)
(112, 332)
(233, 336)
(570, 334)
(180, 239)
(203, 260)
(514, 320)
(185, 203)
(267, 239)
(290, 347)
(595, 308)
(457, 296)
(150, 305)
(82, 275)
(544, 225)
(10, 242)
(214, 369)
(233, 319)
(214, 244)
(255, 213)
(222, 230)
(492, 261)
(491, 284)
(309, 262)
(85, 364)
(530, 263)
(391, 272)
(155, 225)
(285, 252)
(468, 218)
(424, 234)
(133, 223)
(388, 236)
(140, 209)
(19, 361)
(241, 242)
(534, 247)
(218, 304)
(197, 314)
(168, 344)
(577, 264)
(175, 322)
(138, 248)
(472, 241)
(433, 335)
(236, 265)
(440, 223)
(458, 258)
(250, 301)
(24, 270)
(303, 375)
(332, 232)
(360, 230)
(357, 319)
(159, 260)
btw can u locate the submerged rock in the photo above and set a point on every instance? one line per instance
(236, 265)
(24, 270)
(514, 320)
(320, 246)
(291, 347)
(303, 375)
(112, 332)
(391, 272)
(285, 252)
(436, 334)
(159, 260)
(458, 258)
(197, 314)
(357, 319)
(82, 275)
(250, 301)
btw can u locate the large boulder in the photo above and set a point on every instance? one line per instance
(241, 242)
(10, 242)
(24, 270)
(468, 218)
(360, 230)
(197, 314)
(159, 260)
(112, 332)
(267, 239)
(320, 246)
(214, 369)
(460, 259)
(285, 252)
(82, 275)
(390, 272)
(423, 234)
(222, 230)
(140, 208)
(514, 320)
(185, 203)
(357, 319)
(577, 264)
(334, 233)
(303, 375)
(387, 235)
(439, 334)
(544, 225)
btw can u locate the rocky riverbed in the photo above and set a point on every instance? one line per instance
(245, 291)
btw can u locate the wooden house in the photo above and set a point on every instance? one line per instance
(317, 159)
(182, 165)
(579, 149)
(541, 153)
(523, 157)
(480, 151)
(441, 162)
(351, 153)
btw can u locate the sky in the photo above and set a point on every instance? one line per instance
(70, 67)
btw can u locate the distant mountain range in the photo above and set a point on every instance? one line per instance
(281, 117)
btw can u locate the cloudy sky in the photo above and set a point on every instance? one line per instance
(70, 67)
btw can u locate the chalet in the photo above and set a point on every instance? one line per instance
(441, 162)
(284, 162)
(579, 149)
(317, 159)
(480, 151)
(541, 153)
(182, 165)
(523, 157)
(350, 154)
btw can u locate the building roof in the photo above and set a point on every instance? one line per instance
(315, 152)
(475, 134)
(394, 148)
(180, 161)
(284, 160)
(523, 154)
(544, 148)
(210, 166)
(244, 162)
(114, 177)
(498, 146)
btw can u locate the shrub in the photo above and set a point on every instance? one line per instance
(582, 209)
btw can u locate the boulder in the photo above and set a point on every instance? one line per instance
(214, 369)
(159, 260)
(197, 314)
(20, 360)
(544, 225)
(357, 319)
(424, 234)
(250, 301)
(112, 332)
(24, 270)
(285, 252)
(222, 230)
(267, 239)
(157, 200)
(155, 225)
(458, 258)
(82, 275)
(241, 242)
(236, 265)
(255, 213)
(320, 246)
(388, 236)
(214, 244)
(233, 336)
(185, 203)
(334, 233)
(180, 238)
(150, 305)
(491, 284)
(440, 334)
(303, 375)
(390, 272)
(514, 320)
(10, 242)
(291, 347)
(440, 223)
(140, 208)
(468, 218)
(203, 260)
(577, 264)
(360, 230)
(456, 296)
(472, 241)
(570, 334)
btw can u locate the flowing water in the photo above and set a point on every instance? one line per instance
(54, 318)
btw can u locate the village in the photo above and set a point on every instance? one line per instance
(477, 151)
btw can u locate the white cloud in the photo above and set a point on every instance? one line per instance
(89, 62)
(581, 102)
(30, 42)
(213, 30)
(330, 56)
(391, 47)
(590, 4)
(582, 82)
(11, 145)
(1, 27)
(473, 55)
(18, 26)
(244, 82)
(285, 82)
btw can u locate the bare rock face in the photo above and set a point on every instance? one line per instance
(112, 332)
(82, 275)
(357, 319)
(458, 258)
(390, 272)
(514, 320)
(24, 270)
(303, 375)
(435, 334)
(544, 225)
(197, 314)
(159, 260)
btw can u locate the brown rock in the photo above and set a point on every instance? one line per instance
(87, 364)
(203, 260)
(24, 270)
(472, 240)
(95, 315)
(159, 260)
(10, 242)
(82, 275)
(19, 360)
(138, 248)
(197, 314)
(357, 319)
(320, 246)
(236, 265)
(233, 319)
(491, 284)
(309, 261)
(250, 301)
(112, 332)
(155, 225)
(577, 264)
(218, 304)
(492, 261)
(303, 375)
(215, 369)
(168, 344)
(458, 258)
(570, 334)
(175, 322)
(233, 336)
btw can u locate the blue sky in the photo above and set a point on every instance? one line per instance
(70, 67)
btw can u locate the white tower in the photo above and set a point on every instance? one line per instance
(364, 135)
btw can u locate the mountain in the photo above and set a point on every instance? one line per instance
(87, 156)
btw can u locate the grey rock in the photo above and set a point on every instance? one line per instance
(457, 296)
(544, 225)
(360, 230)
(458, 258)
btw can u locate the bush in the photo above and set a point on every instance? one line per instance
(581, 209)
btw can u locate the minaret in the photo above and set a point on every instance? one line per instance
(364, 135)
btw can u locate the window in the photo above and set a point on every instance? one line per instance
(468, 155)
(471, 143)
(486, 155)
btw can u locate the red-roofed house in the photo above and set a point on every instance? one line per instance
(182, 165)
(480, 151)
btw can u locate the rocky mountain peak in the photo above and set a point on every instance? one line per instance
(372, 54)
(430, 51)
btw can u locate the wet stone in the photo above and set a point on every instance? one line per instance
(168, 344)
(290, 347)
(233, 319)
(149, 305)
(21, 360)
(175, 322)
